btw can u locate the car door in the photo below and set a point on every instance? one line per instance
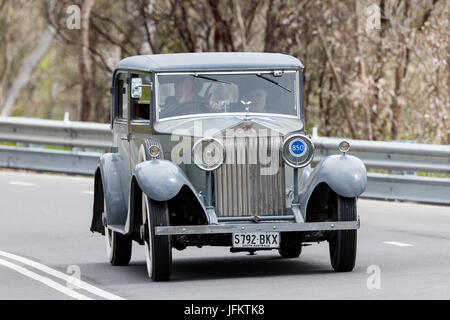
(140, 117)
(120, 129)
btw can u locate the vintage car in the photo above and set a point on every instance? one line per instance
(210, 149)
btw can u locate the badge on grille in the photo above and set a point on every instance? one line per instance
(297, 147)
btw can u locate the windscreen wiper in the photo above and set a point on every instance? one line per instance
(209, 78)
(273, 81)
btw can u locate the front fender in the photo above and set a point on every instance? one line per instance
(161, 180)
(344, 174)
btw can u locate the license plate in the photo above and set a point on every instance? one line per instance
(256, 240)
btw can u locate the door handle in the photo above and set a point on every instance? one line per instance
(128, 137)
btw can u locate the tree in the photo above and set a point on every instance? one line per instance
(28, 64)
(85, 60)
(388, 82)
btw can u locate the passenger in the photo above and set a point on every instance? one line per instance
(214, 93)
(256, 99)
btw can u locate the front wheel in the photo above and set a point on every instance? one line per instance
(291, 245)
(158, 253)
(343, 242)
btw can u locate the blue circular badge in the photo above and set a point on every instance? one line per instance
(297, 148)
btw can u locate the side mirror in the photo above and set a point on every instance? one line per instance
(136, 88)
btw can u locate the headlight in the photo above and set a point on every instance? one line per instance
(298, 150)
(208, 154)
(154, 151)
(344, 146)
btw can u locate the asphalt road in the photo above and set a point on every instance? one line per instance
(45, 237)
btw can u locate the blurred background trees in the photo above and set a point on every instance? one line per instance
(375, 69)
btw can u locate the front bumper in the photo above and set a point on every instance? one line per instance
(258, 227)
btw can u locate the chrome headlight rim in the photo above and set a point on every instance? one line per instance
(287, 152)
(154, 151)
(344, 146)
(200, 164)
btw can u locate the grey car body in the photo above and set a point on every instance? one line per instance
(206, 207)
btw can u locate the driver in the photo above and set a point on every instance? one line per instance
(257, 100)
(186, 99)
(185, 90)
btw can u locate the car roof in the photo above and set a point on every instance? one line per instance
(210, 61)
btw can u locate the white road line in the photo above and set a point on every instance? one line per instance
(82, 284)
(21, 183)
(48, 282)
(88, 192)
(399, 244)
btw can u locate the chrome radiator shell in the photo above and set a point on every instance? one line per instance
(251, 182)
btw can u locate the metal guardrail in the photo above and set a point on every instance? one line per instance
(72, 162)
(390, 155)
(38, 132)
(408, 188)
(396, 156)
(55, 132)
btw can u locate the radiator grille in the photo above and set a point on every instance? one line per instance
(242, 185)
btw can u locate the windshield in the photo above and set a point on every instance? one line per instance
(200, 93)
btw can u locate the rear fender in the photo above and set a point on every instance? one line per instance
(97, 223)
(108, 182)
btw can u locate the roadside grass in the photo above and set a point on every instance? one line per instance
(419, 174)
(52, 147)
(9, 144)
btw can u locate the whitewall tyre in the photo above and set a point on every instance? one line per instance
(118, 247)
(158, 250)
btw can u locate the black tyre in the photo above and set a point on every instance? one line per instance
(291, 245)
(343, 242)
(158, 248)
(118, 246)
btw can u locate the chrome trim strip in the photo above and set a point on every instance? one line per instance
(140, 122)
(226, 72)
(260, 218)
(242, 115)
(258, 227)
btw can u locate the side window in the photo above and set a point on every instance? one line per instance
(141, 106)
(122, 96)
